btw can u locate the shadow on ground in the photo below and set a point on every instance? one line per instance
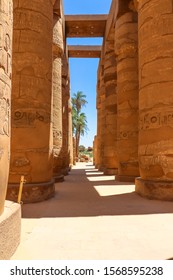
(79, 196)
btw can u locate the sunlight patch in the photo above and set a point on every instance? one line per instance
(94, 173)
(101, 178)
(107, 190)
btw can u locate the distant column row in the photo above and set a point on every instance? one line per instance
(140, 98)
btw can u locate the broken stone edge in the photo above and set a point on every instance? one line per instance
(10, 229)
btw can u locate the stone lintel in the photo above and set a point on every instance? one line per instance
(84, 51)
(85, 25)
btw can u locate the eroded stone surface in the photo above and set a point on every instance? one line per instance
(100, 117)
(32, 140)
(65, 100)
(126, 48)
(10, 229)
(6, 21)
(156, 92)
(110, 131)
(57, 97)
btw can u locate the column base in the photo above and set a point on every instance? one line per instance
(110, 171)
(101, 168)
(35, 192)
(124, 178)
(58, 178)
(10, 229)
(65, 171)
(162, 190)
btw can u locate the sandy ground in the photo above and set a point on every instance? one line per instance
(94, 217)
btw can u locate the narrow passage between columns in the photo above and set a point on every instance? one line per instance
(94, 217)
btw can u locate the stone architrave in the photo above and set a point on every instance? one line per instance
(155, 99)
(32, 140)
(110, 127)
(57, 98)
(6, 22)
(126, 49)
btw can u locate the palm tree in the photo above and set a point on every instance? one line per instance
(81, 128)
(79, 120)
(78, 101)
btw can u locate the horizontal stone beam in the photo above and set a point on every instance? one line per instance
(85, 25)
(84, 51)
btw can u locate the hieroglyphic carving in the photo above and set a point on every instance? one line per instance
(155, 120)
(5, 94)
(4, 116)
(124, 135)
(57, 134)
(25, 118)
(20, 161)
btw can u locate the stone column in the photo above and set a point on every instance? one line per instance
(65, 101)
(57, 98)
(100, 118)
(95, 150)
(110, 127)
(74, 151)
(126, 48)
(102, 128)
(155, 99)
(6, 21)
(70, 134)
(32, 141)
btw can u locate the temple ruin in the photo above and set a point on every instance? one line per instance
(134, 138)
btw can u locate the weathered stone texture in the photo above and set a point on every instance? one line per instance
(156, 96)
(70, 134)
(126, 48)
(6, 21)
(110, 131)
(57, 97)
(32, 141)
(65, 108)
(101, 117)
(10, 229)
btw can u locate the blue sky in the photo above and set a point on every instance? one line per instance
(83, 71)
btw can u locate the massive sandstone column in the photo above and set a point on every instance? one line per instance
(110, 130)
(100, 118)
(156, 99)
(70, 135)
(126, 48)
(97, 162)
(57, 98)
(6, 21)
(32, 141)
(65, 109)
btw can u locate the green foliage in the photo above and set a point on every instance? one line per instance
(82, 148)
(79, 119)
